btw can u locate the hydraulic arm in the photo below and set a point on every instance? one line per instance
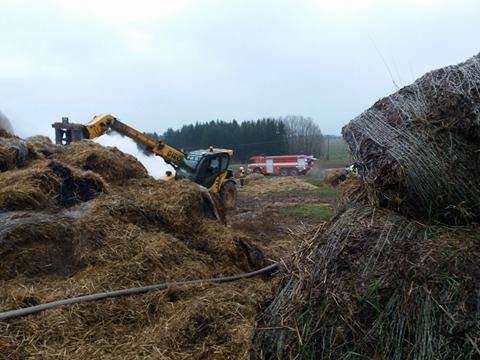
(99, 125)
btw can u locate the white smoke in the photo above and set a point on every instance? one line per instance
(155, 165)
(5, 123)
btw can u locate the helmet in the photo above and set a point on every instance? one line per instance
(241, 167)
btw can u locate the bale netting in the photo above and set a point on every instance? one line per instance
(377, 286)
(419, 148)
(113, 165)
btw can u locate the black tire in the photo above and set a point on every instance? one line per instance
(257, 170)
(228, 194)
(294, 172)
(284, 172)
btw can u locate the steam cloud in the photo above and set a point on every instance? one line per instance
(5, 123)
(155, 165)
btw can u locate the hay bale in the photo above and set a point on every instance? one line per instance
(42, 144)
(13, 152)
(47, 185)
(335, 177)
(114, 166)
(378, 286)
(419, 148)
(35, 245)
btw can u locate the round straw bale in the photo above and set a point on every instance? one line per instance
(419, 148)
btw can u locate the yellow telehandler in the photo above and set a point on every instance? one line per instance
(208, 167)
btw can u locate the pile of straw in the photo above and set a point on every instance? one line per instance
(67, 228)
(113, 165)
(42, 144)
(13, 151)
(47, 185)
(377, 285)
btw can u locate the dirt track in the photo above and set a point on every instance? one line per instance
(276, 211)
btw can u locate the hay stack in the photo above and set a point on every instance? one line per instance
(42, 144)
(113, 165)
(377, 286)
(13, 151)
(47, 185)
(83, 239)
(253, 177)
(335, 177)
(419, 148)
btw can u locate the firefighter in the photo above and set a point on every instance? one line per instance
(241, 176)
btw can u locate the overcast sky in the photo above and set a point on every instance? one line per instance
(163, 63)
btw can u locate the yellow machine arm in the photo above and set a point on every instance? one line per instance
(100, 124)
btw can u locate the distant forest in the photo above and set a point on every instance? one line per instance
(269, 136)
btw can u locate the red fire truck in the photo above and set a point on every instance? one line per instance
(282, 165)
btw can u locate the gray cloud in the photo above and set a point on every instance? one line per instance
(218, 59)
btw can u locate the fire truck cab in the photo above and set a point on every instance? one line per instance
(283, 165)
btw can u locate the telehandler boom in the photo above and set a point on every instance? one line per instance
(208, 168)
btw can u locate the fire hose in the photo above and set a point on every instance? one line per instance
(131, 291)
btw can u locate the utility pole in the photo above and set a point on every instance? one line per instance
(328, 148)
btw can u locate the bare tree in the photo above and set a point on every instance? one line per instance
(304, 135)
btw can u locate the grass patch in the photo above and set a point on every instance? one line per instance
(323, 191)
(310, 212)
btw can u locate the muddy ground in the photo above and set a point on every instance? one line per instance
(277, 211)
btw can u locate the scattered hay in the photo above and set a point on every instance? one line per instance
(35, 244)
(253, 177)
(113, 165)
(144, 233)
(47, 185)
(42, 145)
(335, 177)
(276, 184)
(378, 286)
(419, 148)
(13, 151)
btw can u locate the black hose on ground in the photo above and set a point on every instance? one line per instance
(139, 290)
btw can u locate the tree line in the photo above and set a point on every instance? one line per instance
(267, 136)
